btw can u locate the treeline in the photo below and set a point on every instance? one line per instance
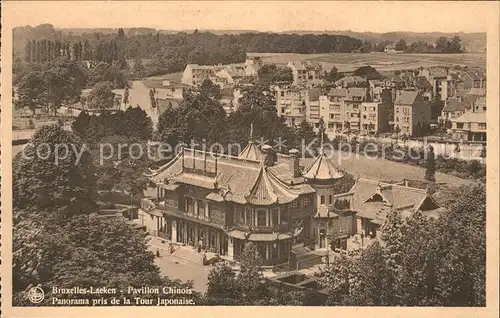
(59, 82)
(40, 51)
(171, 52)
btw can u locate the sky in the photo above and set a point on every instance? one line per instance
(360, 16)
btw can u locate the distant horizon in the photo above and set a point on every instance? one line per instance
(246, 30)
(268, 16)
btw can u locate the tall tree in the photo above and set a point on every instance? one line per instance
(430, 170)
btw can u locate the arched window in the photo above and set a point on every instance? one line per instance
(330, 199)
(322, 200)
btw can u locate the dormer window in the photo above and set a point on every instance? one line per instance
(322, 200)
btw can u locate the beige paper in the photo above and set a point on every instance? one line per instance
(263, 16)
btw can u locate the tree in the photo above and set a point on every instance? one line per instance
(44, 180)
(222, 287)
(333, 75)
(252, 285)
(483, 150)
(60, 87)
(152, 98)
(210, 90)
(136, 123)
(125, 96)
(101, 96)
(430, 170)
(461, 276)
(31, 91)
(437, 106)
(401, 45)
(367, 72)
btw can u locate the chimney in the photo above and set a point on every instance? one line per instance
(294, 155)
(269, 156)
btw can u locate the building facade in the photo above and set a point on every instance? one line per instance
(222, 202)
(307, 73)
(292, 103)
(410, 112)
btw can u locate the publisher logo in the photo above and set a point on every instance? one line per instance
(36, 295)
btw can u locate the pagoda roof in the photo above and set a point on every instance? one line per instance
(321, 169)
(243, 181)
(268, 190)
(251, 152)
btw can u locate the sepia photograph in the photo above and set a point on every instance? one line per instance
(250, 154)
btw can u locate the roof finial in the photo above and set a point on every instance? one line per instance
(251, 131)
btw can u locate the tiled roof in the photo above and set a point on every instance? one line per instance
(406, 97)
(252, 152)
(267, 190)
(477, 91)
(453, 104)
(456, 104)
(350, 80)
(390, 196)
(422, 82)
(245, 180)
(437, 72)
(472, 117)
(356, 92)
(321, 169)
(339, 92)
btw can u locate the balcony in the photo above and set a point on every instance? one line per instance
(158, 208)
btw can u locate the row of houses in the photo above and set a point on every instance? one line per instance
(353, 109)
(275, 201)
(223, 75)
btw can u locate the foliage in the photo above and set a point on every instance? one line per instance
(401, 45)
(41, 177)
(101, 96)
(367, 72)
(270, 74)
(333, 75)
(422, 261)
(430, 171)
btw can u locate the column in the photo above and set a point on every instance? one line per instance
(267, 251)
(184, 230)
(196, 233)
(267, 217)
(174, 231)
(279, 216)
(230, 247)
(195, 205)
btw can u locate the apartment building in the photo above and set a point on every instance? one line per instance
(331, 109)
(410, 112)
(458, 105)
(442, 83)
(292, 103)
(374, 117)
(195, 75)
(252, 65)
(471, 124)
(352, 108)
(222, 75)
(305, 72)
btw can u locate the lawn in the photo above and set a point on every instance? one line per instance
(383, 62)
(381, 169)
